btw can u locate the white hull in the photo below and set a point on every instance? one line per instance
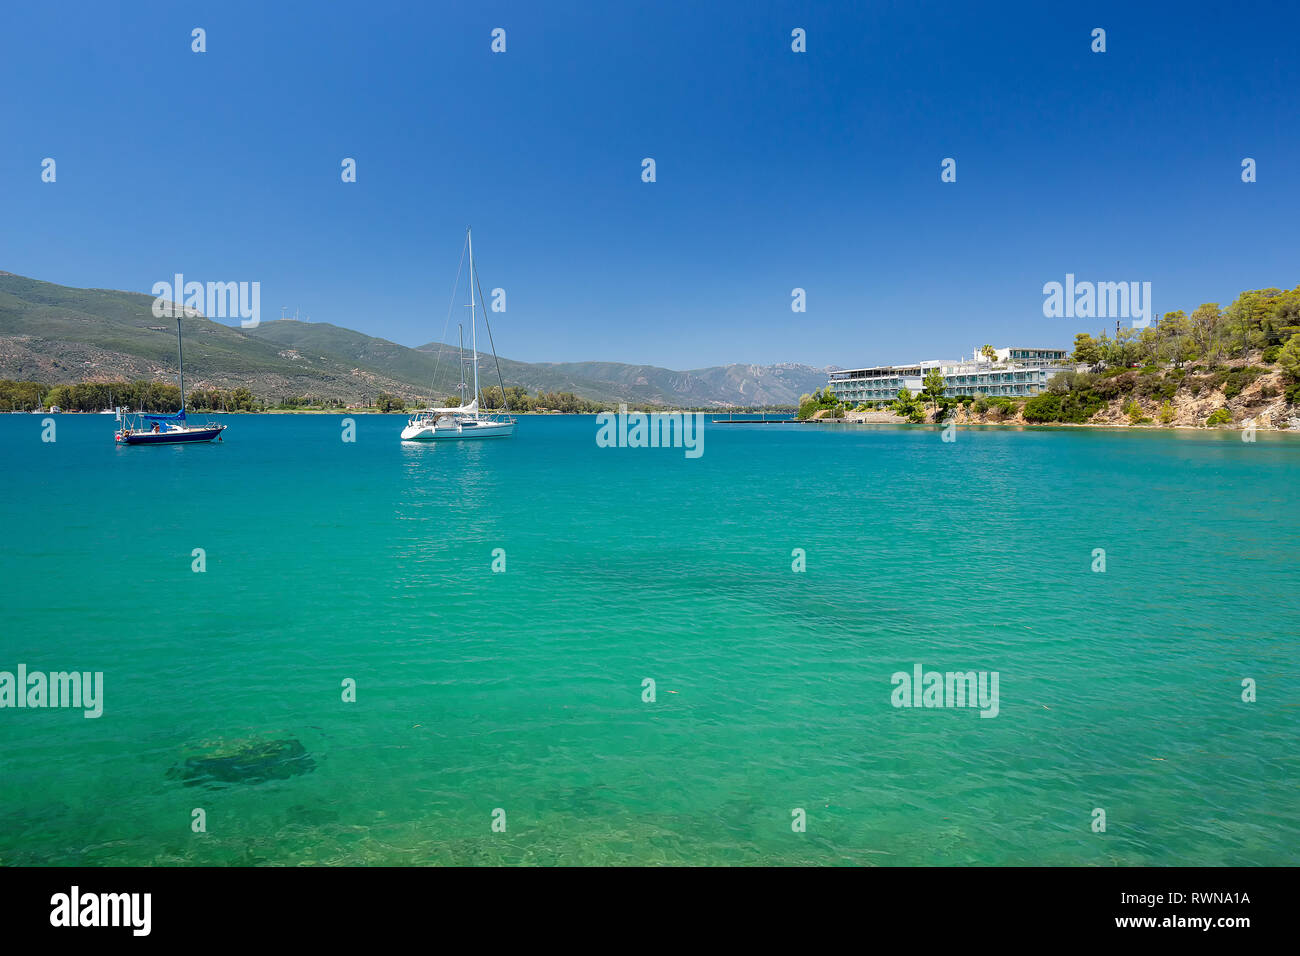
(457, 431)
(463, 421)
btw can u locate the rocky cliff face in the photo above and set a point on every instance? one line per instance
(1247, 389)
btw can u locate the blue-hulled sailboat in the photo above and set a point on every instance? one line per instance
(145, 429)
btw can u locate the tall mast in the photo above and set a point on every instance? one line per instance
(461, 393)
(180, 358)
(473, 327)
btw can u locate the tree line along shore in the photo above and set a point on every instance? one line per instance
(154, 396)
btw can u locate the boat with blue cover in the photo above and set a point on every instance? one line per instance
(142, 428)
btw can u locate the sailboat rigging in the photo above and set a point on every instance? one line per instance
(144, 429)
(464, 421)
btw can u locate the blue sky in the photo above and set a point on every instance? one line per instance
(775, 170)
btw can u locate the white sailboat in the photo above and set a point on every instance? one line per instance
(463, 421)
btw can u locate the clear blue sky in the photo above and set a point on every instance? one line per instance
(775, 169)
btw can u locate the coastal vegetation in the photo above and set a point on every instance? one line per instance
(25, 396)
(1215, 367)
(823, 401)
(385, 402)
(141, 396)
(517, 399)
(21, 396)
(909, 406)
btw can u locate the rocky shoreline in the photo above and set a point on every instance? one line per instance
(1241, 392)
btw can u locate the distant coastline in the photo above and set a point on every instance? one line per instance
(1290, 427)
(97, 350)
(63, 335)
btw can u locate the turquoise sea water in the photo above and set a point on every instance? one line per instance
(523, 690)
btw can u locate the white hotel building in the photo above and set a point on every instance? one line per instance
(1014, 372)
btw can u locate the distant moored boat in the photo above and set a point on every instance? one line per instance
(463, 421)
(144, 429)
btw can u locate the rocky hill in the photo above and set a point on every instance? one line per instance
(1233, 393)
(62, 335)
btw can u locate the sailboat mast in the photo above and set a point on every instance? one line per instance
(461, 393)
(180, 358)
(473, 326)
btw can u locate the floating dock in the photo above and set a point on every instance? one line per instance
(761, 421)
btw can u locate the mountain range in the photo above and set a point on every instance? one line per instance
(58, 335)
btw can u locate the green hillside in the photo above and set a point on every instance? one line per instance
(60, 335)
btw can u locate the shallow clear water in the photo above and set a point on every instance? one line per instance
(523, 690)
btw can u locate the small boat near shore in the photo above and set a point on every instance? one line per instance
(463, 421)
(442, 424)
(141, 428)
